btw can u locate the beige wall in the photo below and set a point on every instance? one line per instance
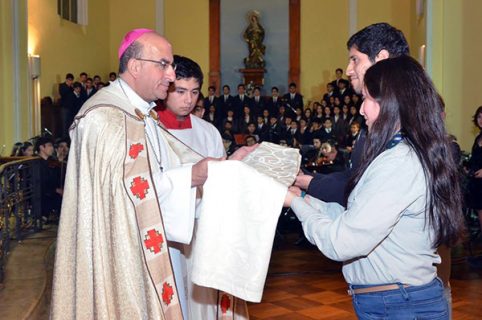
(325, 31)
(186, 26)
(455, 62)
(395, 12)
(15, 124)
(125, 15)
(67, 47)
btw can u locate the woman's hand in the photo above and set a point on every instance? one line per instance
(288, 198)
(478, 174)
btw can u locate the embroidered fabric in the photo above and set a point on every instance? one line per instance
(275, 161)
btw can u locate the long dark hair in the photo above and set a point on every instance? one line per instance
(409, 101)
(376, 37)
(476, 114)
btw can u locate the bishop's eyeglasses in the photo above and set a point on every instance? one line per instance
(164, 64)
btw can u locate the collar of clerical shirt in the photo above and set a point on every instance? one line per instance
(171, 121)
(141, 104)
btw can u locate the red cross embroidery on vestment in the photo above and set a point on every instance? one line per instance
(225, 303)
(139, 187)
(135, 149)
(167, 293)
(154, 241)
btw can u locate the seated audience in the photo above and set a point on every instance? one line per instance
(249, 140)
(26, 150)
(326, 133)
(15, 149)
(352, 136)
(50, 179)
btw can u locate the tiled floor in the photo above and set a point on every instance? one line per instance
(301, 284)
(26, 277)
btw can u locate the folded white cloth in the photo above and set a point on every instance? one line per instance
(236, 228)
(239, 212)
(278, 162)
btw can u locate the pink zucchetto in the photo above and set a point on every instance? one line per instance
(129, 38)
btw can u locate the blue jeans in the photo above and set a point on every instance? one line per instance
(414, 302)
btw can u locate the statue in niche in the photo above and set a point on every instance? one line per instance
(254, 36)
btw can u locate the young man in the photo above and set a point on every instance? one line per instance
(330, 92)
(374, 43)
(366, 47)
(83, 78)
(274, 102)
(112, 76)
(326, 133)
(293, 98)
(204, 138)
(199, 110)
(211, 99)
(338, 78)
(343, 90)
(97, 80)
(258, 103)
(176, 115)
(66, 90)
(249, 140)
(225, 102)
(50, 184)
(90, 89)
(241, 100)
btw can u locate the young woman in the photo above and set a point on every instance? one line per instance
(475, 168)
(355, 116)
(308, 115)
(26, 150)
(326, 113)
(15, 149)
(318, 113)
(404, 200)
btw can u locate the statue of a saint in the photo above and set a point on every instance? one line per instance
(254, 36)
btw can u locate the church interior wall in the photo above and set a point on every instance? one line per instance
(274, 17)
(66, 47)
(14, 104)
(455, 63)
(123, 16)
(324, 31)
(186, 26)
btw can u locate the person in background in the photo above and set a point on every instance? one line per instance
(475, 168)
(89, 89)
(82, 79)
(26, 149)
(112, 77)
(51, 190)
(249, 140)
(292, 97)
(204, 139)
(15, 149)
